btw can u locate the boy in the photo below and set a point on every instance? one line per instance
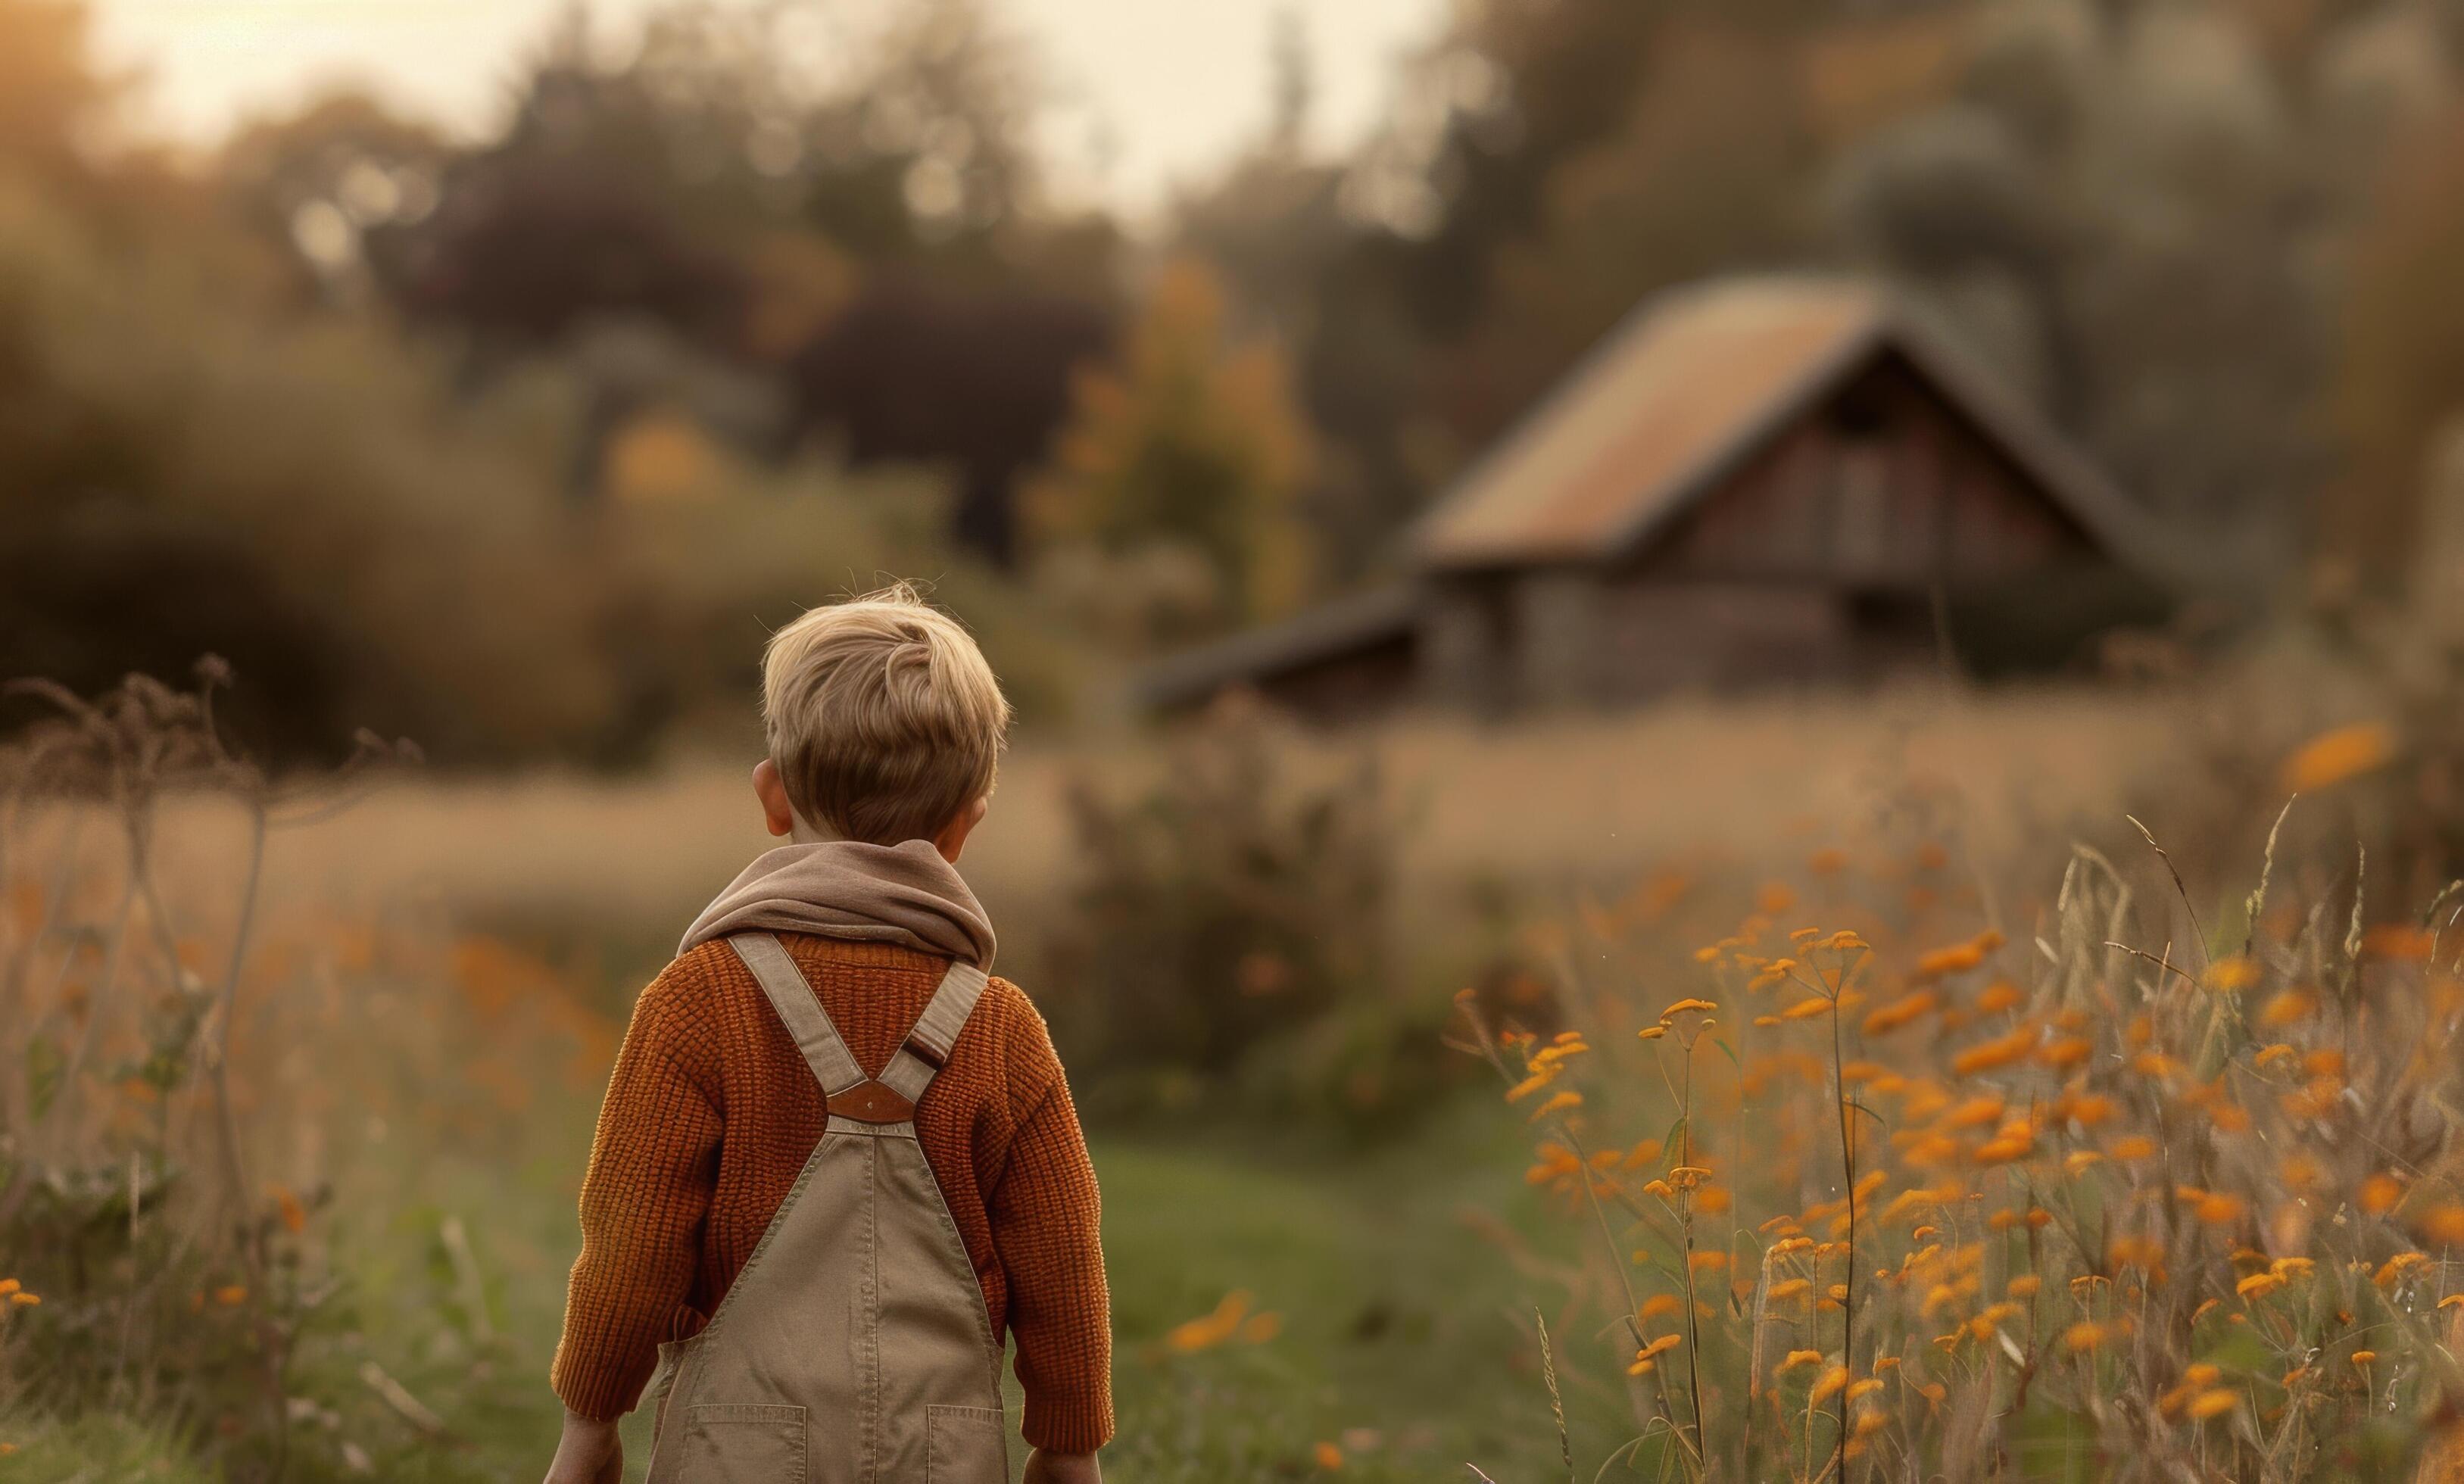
(836, 1159)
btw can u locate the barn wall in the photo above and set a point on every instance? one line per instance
(1883, 487)
(1660, 636)
(1560, 616)
(1467, 646)
(1816, 560)
(1354, 686)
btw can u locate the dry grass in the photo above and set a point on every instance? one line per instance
(1896, 1172)
(1551, 806)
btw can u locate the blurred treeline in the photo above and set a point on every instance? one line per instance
(516, 444)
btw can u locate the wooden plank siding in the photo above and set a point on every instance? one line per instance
(1899, 492)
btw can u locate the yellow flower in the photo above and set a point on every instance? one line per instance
(1900, 1011)
(1559, 1102)
(1209, 1330)
(2065, 1052)
(1834, 1381)
(2396, 1267)
(2443, 1224)
(1329, 1457)
(1797, 1357)
(2083, 1336)
(2214, 1404)
(1998, 996)
(2217, 1209)
(2330, 757)
(2364, 1356)
(2000, 1052)
(1531, 1085)
(2285, 1007)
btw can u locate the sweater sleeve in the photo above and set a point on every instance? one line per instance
(1046, 1219)
(644, 1202)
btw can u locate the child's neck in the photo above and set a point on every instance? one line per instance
(806, 833)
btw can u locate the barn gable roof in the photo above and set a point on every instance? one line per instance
(1698, 380)
(1330, 630)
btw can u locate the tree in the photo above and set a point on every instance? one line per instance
(341, 188)
(918, 371)
(2118, 211)
(1188, 444)
(2400, 362)
(49, 90)
(1709, 172)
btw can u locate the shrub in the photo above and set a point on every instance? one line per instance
(1225, 904)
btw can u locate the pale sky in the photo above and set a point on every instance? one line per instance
(1169, 87)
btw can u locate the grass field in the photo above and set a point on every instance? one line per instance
(1404, 1337)
(1404, 1272)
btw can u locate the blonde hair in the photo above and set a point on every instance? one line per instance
(882, 715)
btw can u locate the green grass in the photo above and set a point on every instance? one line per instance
(100, 1450)
(1404, 1335)
(1403, 1329)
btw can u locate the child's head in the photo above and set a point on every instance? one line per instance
(885, 723)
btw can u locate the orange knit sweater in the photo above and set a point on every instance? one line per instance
(712, 1113)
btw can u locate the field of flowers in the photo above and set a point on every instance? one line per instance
(1884, 1140)
(1910, 1180)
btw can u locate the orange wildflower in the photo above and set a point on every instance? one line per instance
(2000, 1052)
(2331, 758)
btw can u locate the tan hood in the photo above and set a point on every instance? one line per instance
(905, 894)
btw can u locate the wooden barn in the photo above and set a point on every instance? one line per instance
(1750, 481)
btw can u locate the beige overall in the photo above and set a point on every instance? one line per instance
(855, 1347)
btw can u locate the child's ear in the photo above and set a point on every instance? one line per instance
(953, 837)
(777, 813)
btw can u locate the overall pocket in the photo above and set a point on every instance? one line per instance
(966, 1445)
(727, 1442)
(663, 1384)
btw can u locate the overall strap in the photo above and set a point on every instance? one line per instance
(800, 1009)
(936, 1031)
